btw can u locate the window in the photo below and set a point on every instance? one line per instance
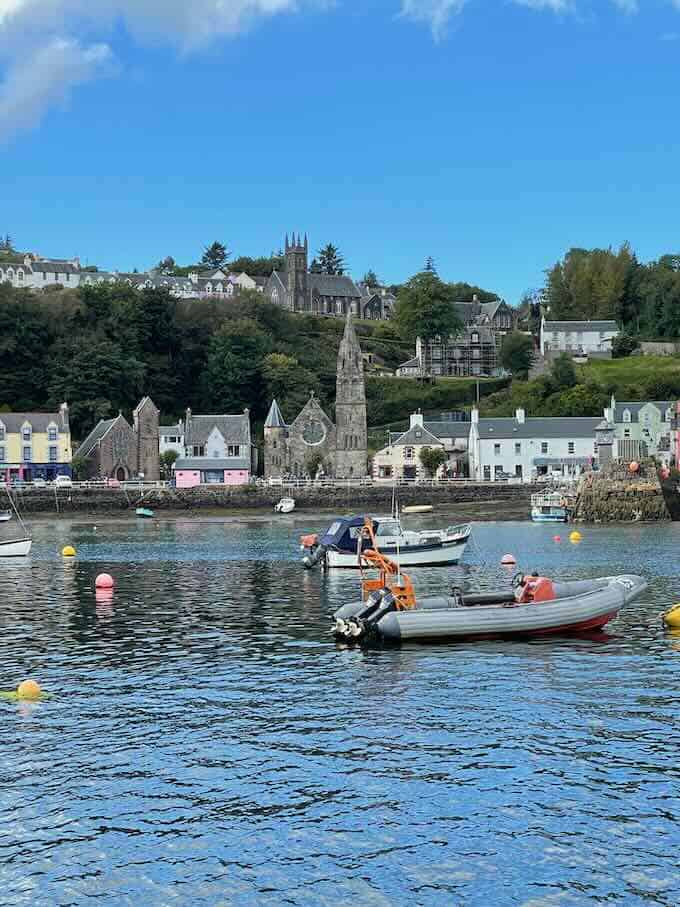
(626, 415)
(487, 473)
(198, 450)
(475, 354)
(20, 276)
(51, 433)
(56, 277)
(475, 337)
(518, 470)
(626, 433)
(2, 454)
(544, 447)
(233, 450)
(518, 449)
(26, 433)
(570, 447)
(408, 453)
(68, 277)
(497, 450)
(2, 432)
(27, 454)
(497, 472)
(53, 454)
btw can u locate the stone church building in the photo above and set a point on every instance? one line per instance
(299, 290)
(115, 449)
(312, 438)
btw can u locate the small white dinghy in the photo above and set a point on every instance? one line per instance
(5, 516)
(285, 505)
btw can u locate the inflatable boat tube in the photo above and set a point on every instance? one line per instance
(578, 606)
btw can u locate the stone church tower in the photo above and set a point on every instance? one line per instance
(350, 408)
(296, 273)
(146, 432)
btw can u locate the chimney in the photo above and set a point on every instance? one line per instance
(475, 415)
(63, 414)
(520, 416)
(416, 420)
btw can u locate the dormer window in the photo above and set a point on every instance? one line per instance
(20, 275)
(626, 415)
(26, 432)
(475, 337)
(669, 415)
(52, 433)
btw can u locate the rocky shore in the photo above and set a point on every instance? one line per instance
(615, 495)
(492, 501)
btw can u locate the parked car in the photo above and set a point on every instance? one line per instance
(63, 482)
(39, 483)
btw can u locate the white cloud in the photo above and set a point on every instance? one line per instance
(629, 7)
(556, 6)
(46, 77)
(436, 13)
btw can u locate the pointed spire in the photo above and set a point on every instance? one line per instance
(286, 242)
(274, 419)
(306, 243)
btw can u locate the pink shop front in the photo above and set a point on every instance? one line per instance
(208, 475)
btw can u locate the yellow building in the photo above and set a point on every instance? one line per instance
(35, 445)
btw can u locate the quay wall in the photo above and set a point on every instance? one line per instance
(492, 500)
(615, 495)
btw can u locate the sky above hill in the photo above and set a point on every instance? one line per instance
(490, 135)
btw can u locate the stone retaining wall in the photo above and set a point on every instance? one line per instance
(493, 500)
(617, 495)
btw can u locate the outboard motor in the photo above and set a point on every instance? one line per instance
(315, 552)
(364, 622)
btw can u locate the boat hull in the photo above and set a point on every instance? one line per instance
(549, 517)
(580, 606)
(15, 548)
(416, 556)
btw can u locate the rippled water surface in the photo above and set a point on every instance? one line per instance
(208, 743)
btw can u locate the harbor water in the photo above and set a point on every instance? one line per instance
(208, 743)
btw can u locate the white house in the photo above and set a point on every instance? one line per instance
(400, 459)
(641, 428)
(580, 338)
(32, 272)
(529, 448)
(410, 369)
(171, 437)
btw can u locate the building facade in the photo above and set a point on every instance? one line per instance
(400, 458)
(641, 428)
(218, 450)
(171, 438)
(35, 446)
(114, 449)
(32, 272)
(527, 449)
(313, 442)
(578, 338)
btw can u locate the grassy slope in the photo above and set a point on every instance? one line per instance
(633, 373)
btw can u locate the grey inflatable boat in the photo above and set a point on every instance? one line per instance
(535, 606)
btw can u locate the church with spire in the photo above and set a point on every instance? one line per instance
(298, 289)
(313, 440)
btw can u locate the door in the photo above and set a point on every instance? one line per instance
(120, 474)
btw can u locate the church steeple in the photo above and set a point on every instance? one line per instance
(296, 273)
(350, 407)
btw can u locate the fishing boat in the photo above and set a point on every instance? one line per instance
(533, 606)
(144, 512)
(18, 545)
(344, 540)
(549, 507)
(285, 505)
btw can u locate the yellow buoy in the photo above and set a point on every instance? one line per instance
(29, 689)
(672, 617)
(68, 551)
(575, 536)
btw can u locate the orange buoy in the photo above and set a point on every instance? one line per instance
(29, 689)
(104, 581)
(634, 466)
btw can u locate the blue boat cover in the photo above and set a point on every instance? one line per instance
(344, 532)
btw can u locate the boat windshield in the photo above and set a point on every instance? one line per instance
(389, 527)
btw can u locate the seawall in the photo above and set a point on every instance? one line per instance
(492, 500)
(615, 495)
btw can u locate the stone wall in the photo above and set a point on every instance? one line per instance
(616, 495)
(493, 501)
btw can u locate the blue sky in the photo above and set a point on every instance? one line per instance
(490, 135)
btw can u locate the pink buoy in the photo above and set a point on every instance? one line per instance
(557, 538)
(104, 581)
(508, 560)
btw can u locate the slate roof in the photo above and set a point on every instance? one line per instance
(275, 418)
(449, 429)
(539, 428)
(234, 429)
(260, 281)
(571, 326)
(411, 363)
(416, 434)
(635, 407)
(39, 421)
(96, 435)
(333, 285)
(211, 463)
(55, 267)
(170, 429)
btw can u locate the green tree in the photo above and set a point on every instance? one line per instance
(166, 265)
(430, 266)
(425, 308)
(167, 461)
(79, 468)
(370, 278)
(313, 463)
(315, 267)
(287, 381)
(330, 260)
(623, 345)
(233, 377)
(563, 372)
(432, 458)
(261, 267)
(517, 351)
(215, 256)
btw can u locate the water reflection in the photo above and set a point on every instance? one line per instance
(208, 742)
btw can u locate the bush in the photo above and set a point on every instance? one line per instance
(623, 346)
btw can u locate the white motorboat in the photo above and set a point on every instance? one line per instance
(341, 544)
(20, 544)
(15, 547)
(5, 516)
(285, 505)
(549, 507)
